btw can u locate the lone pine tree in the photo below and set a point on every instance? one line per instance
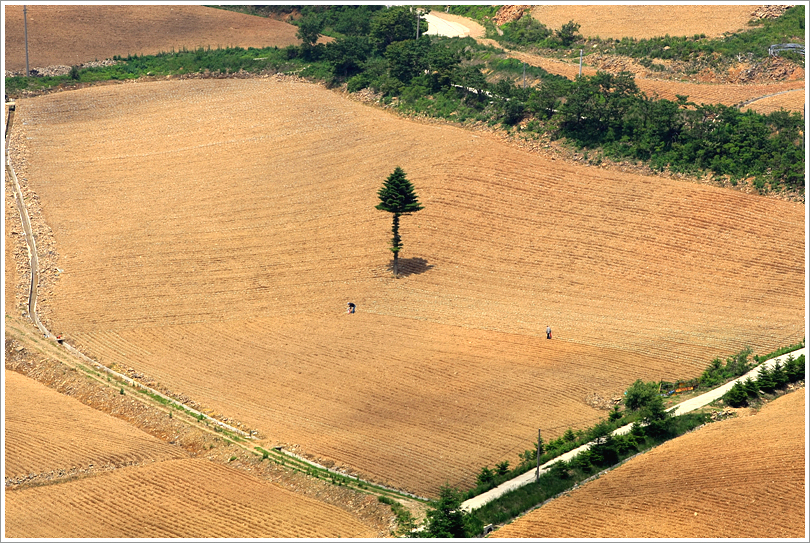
(397, 197)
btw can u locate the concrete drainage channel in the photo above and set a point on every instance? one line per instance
(278, 454)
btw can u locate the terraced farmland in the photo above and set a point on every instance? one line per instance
(185, 498)
(50, 434)
(740, 478)
(212, 231)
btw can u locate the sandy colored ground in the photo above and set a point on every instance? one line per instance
(740, 478)
(74, 34)
(211, 239)
(49, 432)
(792, 101)
(641, 22)
(188, 498)
(30, 358)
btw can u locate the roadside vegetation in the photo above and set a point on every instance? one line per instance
(652, 424)
(605, 116)
(769, 380)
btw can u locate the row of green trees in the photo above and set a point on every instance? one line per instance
(606, 113)
(653, 425)
(768, 380)
(644, 407)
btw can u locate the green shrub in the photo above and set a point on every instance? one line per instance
(737, 396)
(486, 476)
(795, 368)
(765, 380)
(640, 395)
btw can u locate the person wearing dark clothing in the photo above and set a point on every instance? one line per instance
(351, 308)
(548, 332)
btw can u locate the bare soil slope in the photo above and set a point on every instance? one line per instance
(740, 478)
(48, 432)
(188, 498)
(211, 233)
(640, 22)
(793, 100)
(34, 358)
(75, 34)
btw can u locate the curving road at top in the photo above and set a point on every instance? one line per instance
(444, 24)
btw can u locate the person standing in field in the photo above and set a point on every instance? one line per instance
(548, 332)
(351, 308)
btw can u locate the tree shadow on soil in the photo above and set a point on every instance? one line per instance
(411, 266)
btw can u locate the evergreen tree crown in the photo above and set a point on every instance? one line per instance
(397, 194)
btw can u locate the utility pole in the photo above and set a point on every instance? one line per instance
(524, 75)
(417, 23)
(25, 26)
(580, 63)
(537, 472)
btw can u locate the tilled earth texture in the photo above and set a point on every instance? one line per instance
(739, 478)
(61, 435)
(188, 498)
(73, 34)
(211, 232)
(86, 458)
(642, 22)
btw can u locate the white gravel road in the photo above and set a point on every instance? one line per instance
(440, 27)
(680, 409)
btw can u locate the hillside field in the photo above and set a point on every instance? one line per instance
(211, 233)
(739, 478)
(63, 461)
(74, 34)
(646, 21)
(182, 498)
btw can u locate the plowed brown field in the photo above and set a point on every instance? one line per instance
(48, 432)
(790, 100)
(740, 478)
(212, 231)
(640, 22)
(190, 498)
(74, 34)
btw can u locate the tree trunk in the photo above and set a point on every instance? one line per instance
(396, 242)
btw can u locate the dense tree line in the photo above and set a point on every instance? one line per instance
(605, 112)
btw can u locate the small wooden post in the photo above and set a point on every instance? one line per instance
(25, 27)
(537, 472)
